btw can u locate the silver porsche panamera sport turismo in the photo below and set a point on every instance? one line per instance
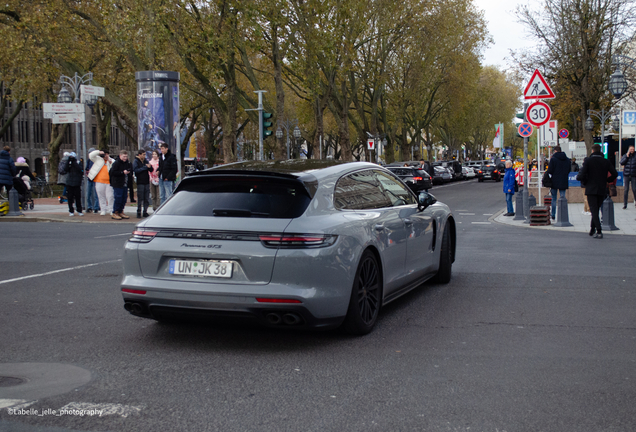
(302, 243)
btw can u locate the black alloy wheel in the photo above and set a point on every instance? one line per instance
(366, 295)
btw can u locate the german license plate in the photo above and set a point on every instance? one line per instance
(221, 269)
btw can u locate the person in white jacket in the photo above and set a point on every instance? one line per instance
(99, 174)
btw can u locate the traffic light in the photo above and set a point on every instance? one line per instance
(266, 124)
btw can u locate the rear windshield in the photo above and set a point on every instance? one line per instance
(238, 197)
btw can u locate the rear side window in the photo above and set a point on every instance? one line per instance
(359, 191)
(238, 197)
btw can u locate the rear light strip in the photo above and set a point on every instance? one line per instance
(297, 241)
(269, 240)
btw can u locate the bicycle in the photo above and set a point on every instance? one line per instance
(42, 187)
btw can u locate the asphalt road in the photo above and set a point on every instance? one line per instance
(535, 332)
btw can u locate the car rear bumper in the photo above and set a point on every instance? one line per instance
(170, 300)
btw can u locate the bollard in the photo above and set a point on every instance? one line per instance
(14, 203)
(607, 219)
(519, 207)
(563, 217)
(532, 202)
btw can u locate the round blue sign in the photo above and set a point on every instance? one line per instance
(525, 129)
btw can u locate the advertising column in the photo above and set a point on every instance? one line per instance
(158, 112)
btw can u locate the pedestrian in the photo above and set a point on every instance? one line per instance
(23, 171)
(594, 175)
(61, 175)
(168, 169)
(155, 194)
(629, 174)
(119, 181)
(100, 174)
(7, 168)
(74, 176)
(558, 170)
(92, 201)
(142, 168)
(575, 166)
(509, 188)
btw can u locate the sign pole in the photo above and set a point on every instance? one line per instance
(526, 202)
(540, 139)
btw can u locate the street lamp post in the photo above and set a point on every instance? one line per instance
(297, 135)
(74, 84)
(286, 124)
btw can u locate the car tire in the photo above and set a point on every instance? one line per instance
(366, 296)
(444, 271)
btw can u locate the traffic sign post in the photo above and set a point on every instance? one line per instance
(68, 118)
(539, 113)
(538, 88)
(549, 134)
(525, 129)
(371, 144)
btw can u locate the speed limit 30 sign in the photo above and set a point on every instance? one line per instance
(539, 113)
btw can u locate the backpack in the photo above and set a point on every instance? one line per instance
(62, 167)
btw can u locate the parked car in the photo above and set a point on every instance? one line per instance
(415, 178)
(488, 172)
(304, 243)
(468, 172)
(442, 174)
(427, 165)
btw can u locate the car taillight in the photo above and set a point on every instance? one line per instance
(297, 241)
(418, 178)
(479, 171)
(142, 235)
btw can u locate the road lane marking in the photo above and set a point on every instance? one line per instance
(56, 271)
(482, 223)
(15, 403)
(488, 214)
(467, 214)
(114, 235)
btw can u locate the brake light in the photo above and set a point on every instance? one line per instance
(142, 235)
(296, 241)
(277, 300)
(479, 171)
(418, 178)
(133, 291)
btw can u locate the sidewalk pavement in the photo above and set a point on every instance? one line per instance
(50, 210)
(625, 220)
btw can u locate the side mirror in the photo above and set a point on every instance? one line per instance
(425, 199)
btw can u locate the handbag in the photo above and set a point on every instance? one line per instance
(612, 190)
(546, 181)
(516, 186)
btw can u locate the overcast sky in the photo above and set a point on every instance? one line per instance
(504, 29)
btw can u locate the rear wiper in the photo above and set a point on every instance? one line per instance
(237, 213)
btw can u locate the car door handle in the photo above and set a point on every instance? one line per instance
(379, 227)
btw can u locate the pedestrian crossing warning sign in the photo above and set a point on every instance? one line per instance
(538, 88)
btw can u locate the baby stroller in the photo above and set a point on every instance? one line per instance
(24, 193)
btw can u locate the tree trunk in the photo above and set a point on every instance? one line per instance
(57, 134)
(281, 148)
(14, 114)
(345, 138)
